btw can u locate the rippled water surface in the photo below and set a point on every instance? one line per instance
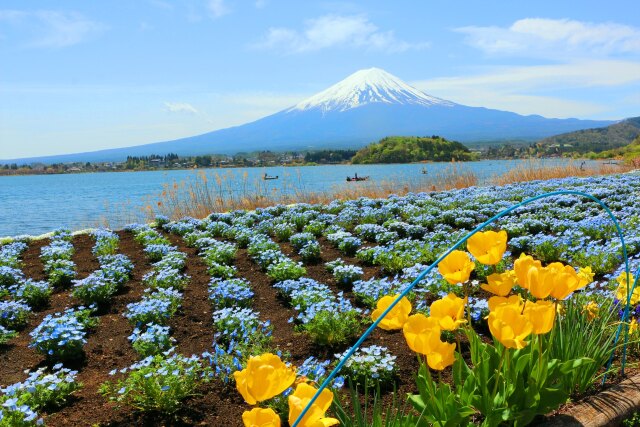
(40, 203)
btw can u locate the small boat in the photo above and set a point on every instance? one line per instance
(357, 178)
(424, 171)
(267, 177)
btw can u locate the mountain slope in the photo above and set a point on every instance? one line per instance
(599, 139)
(365, 107)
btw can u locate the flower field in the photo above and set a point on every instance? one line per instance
(236, 319)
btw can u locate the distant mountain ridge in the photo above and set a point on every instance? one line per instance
(598, 139)
(365, 107)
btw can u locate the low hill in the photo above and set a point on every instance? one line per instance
(594, 140)
(406, 149)
(629, 152)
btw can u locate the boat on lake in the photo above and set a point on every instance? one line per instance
(357, 178)
(267, 177)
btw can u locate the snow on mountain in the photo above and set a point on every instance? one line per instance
(367, 87)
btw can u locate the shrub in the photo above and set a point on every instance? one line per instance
(310, 252)
(300, 240)
(42, 390)
(95, 289)
(370, 366)
(286, 270)
(163, 278)
(6, 335)
(62, 336)
(14, 314)
(154, 339)
(349, 245)
(230, 293)
(332, 327)
(345, 275)
(157, 383)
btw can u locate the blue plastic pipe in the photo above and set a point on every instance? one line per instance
(408, 289)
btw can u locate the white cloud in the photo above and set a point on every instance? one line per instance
(519, 89)
(555, 38)
(180, 107)
(335, 31)
(218, 8)
(53, 29)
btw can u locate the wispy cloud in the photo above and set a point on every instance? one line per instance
(180, 107)
(52, 29)
(554, 38)
(522, 89)
(218, 8)
(335, 31)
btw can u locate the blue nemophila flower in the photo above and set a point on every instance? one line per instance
(35, 294)
(61, 336)
(153, 339)
(230, 293)
(10, 276)
(14, 314)
(370, 365)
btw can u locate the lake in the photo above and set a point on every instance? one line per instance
(38, 204)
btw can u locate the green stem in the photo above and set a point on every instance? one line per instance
(499, 370)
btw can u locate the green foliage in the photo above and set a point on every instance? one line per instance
(286, 270)
(598, 140)
(158, 383)
(333, 329)
(405, 149)
(575, 336)
(512, 386)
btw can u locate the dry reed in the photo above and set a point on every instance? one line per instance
(534, 170)
(202, 194)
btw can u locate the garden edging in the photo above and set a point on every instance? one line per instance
(607, 408)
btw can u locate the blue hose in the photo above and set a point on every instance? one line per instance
(408, 289)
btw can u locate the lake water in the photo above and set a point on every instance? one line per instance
(38, 204)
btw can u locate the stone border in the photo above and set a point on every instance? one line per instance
(607, 408)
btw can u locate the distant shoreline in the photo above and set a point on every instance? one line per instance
(29, 172)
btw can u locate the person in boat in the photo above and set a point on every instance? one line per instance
(356, 176)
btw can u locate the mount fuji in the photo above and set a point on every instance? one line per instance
(365, 107)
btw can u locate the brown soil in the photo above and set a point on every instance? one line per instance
(108, 347)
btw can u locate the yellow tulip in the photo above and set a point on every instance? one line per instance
(500, 283)
(396, 317)
(449, 311)
(541, 314)
(521, 268)
(422, 333)
(591, 309)
(315, 416)
(260, 417)
(633, 326)
(456, 267)
(510, 327)
(442, 356)
(264, 377)
(585, 275)
(488, 247)
(621, 292)
(495, 302)
(539, 281)
(564, 280)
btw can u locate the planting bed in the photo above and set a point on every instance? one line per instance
(276, 250)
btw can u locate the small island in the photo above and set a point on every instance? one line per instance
(408, 149)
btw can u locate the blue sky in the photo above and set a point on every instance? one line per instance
(81, 76)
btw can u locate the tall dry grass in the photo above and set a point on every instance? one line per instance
(534, 170)
(202, 194)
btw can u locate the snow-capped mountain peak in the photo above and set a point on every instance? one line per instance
(364, 87)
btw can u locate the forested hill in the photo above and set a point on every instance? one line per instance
(595, 140)
(406, 149)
